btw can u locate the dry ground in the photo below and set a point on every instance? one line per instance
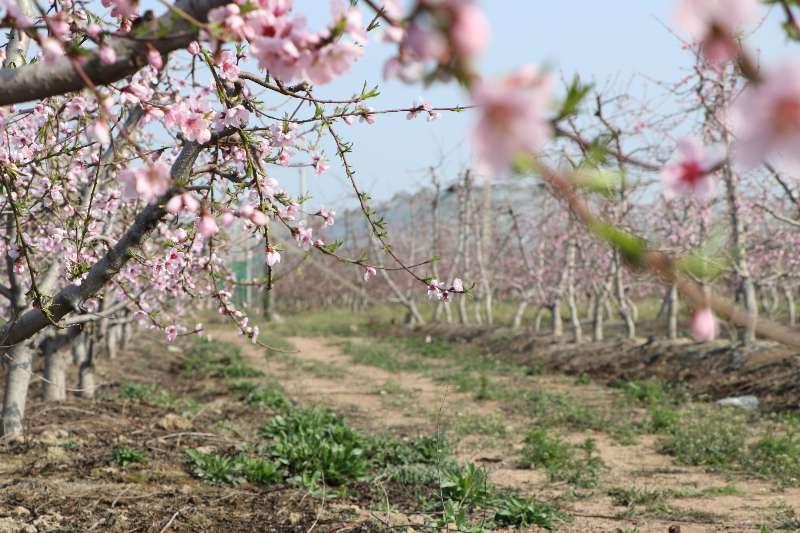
(67, 474)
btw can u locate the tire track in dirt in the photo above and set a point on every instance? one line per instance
(355, 391)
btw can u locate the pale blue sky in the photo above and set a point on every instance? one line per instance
(599, 40)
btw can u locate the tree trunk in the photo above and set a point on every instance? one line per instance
(19, 361)
(82, 353)
(672, 312)
(577, 333)
(537, 322)
(476, 307)
(55, 371)
(557, 326)
(790, 309)
(597, 316)
(746, 290)
(622, 301)
(112, 341)
(520, 313)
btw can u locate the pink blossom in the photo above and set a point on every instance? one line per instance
(235, 117)
(765, 118)
(194, 48)
(127, 9)
(154, 58)
(332, 61)
(183, 202)
(302, 235)
(272, 256)
(713, 24)
(367, 115)
(704, 326)
(512, 117)
(320, 167)
(436, 288)
(107, 54)
(229, 70)
(424, 44)
(328, 216)
(51, 49)
(195, 127)
(419, 105)
(369, 272)
(458, 285)
(207, 226)
(150, 182)
(172, 333)
(690, 172)
(100, 131)
(469, 30)
(258, 218)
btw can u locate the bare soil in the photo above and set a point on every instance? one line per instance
(61, 476)
(712, 370)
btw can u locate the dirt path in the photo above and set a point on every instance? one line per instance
(410, 403)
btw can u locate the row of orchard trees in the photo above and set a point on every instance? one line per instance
(512, 241)
(132, 142)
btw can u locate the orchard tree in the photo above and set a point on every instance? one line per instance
(136, 142)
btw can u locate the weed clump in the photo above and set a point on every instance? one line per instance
(318, 444)
(123, 456)
(238, 468)
(217, 359)
(579, 465)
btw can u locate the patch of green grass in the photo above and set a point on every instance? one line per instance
(551, 409)
(468, 485)
(776, 457)
(478, 424)
(319, 369)
(123, 456)
(413, 474)
(218, 359)
(325, 323)
(270, 396)
(466, 488)
(238, 370)
(782, 518)
(317, 443)
(714, 438)
(663, 418)
(630, 496)
(665, 511)
(647, 391)
(578, 465)
(218, 468)
(381, 355)
(424, 450)
(435, 349)
(511, 510)
(153, 394)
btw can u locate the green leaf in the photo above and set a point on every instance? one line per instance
(605, 182)
(576, 92)
(631, 247)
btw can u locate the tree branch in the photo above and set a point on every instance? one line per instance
(41, 80)
(69, 298)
